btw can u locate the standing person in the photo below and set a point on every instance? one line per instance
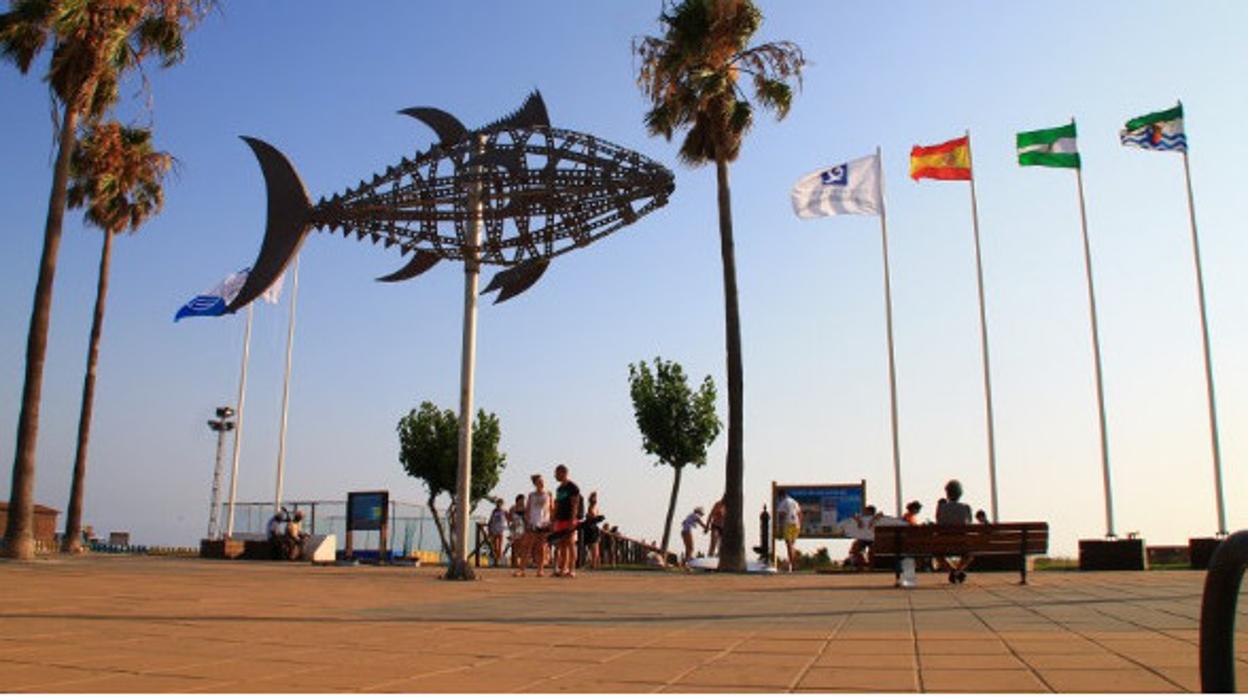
(716, 523)
(537, 514)
(568, 507)
(515, 525)
(691, 522)
(952, 512)
(592, 533)
(789, 517)
(497, 527)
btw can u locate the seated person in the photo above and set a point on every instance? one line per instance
(276, 531)
(862, 529)
(292, 541)
(952, 512)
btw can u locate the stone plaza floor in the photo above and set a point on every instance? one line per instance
(110, 624)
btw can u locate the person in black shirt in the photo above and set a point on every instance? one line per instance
(568, 511)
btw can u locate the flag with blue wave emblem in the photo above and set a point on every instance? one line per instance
(1162, 130)
(214, 301)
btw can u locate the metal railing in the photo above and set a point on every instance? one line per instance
(1218, 612)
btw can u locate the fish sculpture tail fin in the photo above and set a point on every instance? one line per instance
(288, 222)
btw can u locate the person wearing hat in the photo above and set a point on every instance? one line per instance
(691, 522)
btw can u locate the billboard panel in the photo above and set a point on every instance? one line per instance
(823, 507)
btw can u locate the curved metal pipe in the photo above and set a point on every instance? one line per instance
(1217, 614)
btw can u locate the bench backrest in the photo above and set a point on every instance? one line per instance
(1028, 538)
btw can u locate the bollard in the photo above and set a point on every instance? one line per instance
(764, 535)
(1217, 614)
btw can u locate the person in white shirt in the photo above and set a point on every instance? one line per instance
(691, 522)
(538, 511)
(789, 517)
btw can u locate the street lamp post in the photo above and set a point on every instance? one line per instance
(222, 425)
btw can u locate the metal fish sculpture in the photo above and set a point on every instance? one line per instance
(537, 191)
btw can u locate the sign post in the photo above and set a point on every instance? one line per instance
(823, 508)
(368, 511)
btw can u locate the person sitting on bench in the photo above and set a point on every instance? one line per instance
(292, 541)
(951, 512)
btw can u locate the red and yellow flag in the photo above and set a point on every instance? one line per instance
(949, 160)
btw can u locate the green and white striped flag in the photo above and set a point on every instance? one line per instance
(1049, 147)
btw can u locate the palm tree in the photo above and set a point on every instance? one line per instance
(94, 44)
(116, 175)
(690, 75)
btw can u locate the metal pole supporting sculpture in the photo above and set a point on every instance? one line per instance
(515, 194)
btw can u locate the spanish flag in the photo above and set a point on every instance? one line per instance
(949, 160)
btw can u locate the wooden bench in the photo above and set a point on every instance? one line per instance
(1013, 539)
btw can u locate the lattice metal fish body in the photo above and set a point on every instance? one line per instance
(540, 192)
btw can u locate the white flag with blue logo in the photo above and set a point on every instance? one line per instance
(214, 301)
(849, 188)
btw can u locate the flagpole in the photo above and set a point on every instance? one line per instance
(1096, 351)
(983, 338)
(290, 344)
(238, 424)
(888, 316)
(1204, 327)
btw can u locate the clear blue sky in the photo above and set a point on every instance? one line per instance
(323, 82)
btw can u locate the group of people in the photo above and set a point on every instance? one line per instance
(950, 511)
(541, 521)
(713, 524)
(286, 535)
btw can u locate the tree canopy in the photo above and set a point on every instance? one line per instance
(429, 450)
(677, 424)
(691, 76)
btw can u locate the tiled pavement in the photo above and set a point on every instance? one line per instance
(113, 624)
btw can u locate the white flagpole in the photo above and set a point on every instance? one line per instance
(983, 339)
(458, 568)
(888, 315)
(1096, 350)
(1204, 326)
(238, 424)
(290, 345)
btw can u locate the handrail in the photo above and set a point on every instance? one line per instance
(1217, 614)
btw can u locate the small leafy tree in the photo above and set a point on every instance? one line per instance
(429, 451)
(677, 424)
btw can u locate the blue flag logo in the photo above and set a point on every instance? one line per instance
(835, 177)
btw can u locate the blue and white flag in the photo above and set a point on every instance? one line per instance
(849, 188)
(213, 302)
(1162, 130)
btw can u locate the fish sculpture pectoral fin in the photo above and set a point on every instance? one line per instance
(288, 222)
(420, 263)
(513, 281)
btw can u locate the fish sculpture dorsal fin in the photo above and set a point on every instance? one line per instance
(530, 114)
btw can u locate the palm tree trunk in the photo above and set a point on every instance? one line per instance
(19, 531)
(732, 547)
(72, 542)
(671, 510)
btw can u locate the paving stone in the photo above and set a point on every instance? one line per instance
(1106, 681)
(970, 661)
(981, 680)
(864, 679)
